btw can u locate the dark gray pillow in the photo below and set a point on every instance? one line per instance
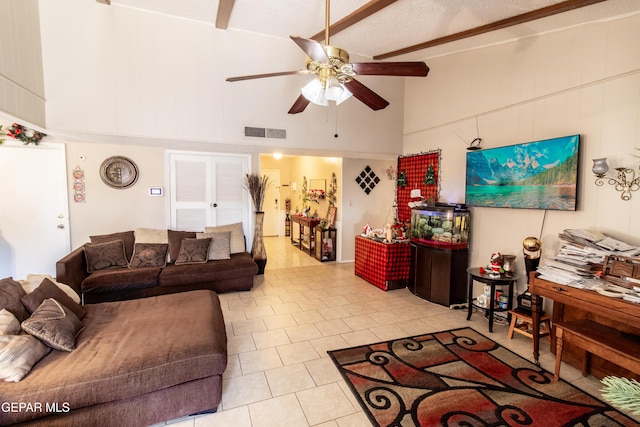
(105, 255)
(48, 289)
(193, 251)
(149, 255)
(10, 294)
(127, 237)
(175, 241)
(54, 324)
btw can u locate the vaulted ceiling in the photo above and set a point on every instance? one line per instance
(393, 29)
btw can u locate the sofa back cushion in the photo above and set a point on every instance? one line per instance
(237, 242)
(151, 235)
(126, 236)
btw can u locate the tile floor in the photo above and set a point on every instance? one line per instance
(279, 373)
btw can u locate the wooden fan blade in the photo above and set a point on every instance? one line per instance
(414, 69)
(312, 48)
(366, 95)
(299, 106)
(260, 76)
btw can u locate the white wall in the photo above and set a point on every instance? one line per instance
(21, 80)
(106, 209)
(359, 208)
(121, 81)
(128, 73)
(583, 80)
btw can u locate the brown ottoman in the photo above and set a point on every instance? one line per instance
(137, 362)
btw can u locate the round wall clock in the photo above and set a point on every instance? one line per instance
(119, 172)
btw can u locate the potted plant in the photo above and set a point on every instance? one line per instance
(257, 186)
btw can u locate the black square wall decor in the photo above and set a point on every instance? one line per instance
(367, 180)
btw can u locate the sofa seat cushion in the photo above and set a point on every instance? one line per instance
(127, 349)
(116, 279)
(240, 264)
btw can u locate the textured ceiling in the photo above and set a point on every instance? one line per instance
(401, 24)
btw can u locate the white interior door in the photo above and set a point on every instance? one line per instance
(207, 190)
(34, 212)
(271, 206)
(191, 188)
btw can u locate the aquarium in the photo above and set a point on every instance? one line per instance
(445, 226)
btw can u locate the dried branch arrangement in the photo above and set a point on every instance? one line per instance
(257, 186)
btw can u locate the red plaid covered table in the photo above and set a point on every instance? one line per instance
(383, 265)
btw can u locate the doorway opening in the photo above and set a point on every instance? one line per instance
(292, 177)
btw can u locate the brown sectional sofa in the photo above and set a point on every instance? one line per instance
(135, 363)
(120, 282)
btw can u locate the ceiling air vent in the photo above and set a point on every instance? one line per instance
(254, 132)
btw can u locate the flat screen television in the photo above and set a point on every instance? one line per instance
(532, 175)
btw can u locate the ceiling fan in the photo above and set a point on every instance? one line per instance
(335, 75)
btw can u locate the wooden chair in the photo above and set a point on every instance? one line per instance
(527, 324)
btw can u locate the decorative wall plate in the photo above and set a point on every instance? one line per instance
(119, 172)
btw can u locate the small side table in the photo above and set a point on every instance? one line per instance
(502, 280)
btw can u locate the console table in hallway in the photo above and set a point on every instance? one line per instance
(304, 223)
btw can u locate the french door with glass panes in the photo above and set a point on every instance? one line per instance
(208, 190)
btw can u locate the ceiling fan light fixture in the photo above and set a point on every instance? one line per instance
(333, 89)
(321, 94)
(315, 92)
(345, 94)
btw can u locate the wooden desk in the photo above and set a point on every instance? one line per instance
(576, 304)
(304, 222)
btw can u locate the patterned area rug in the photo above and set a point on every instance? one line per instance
(462, 378)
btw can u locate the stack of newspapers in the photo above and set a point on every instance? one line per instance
(580, 256)
(633, 296)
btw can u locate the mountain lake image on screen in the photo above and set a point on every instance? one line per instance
(533, 175)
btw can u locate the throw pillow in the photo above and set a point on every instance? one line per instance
(9, 325)
(220, 244)
(149, 255)
(126, 236)
(54, 324)
(175, 241)
(48, 289)
(34, 280)
(237, 235)
(18, 354)
(105, 255)
(10, 294)
(193, 251)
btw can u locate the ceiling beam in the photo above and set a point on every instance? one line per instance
(107, 2)
(224, 13)
(353, 18)
(544, 12)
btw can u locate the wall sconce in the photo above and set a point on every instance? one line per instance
(625, 181)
